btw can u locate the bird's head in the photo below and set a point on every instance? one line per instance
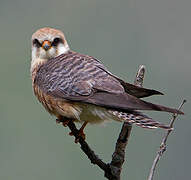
(48, 43)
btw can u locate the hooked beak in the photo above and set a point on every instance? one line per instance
(46, 45)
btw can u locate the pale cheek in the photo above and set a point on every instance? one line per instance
(42, 53)
(51, 52)
(47, 54)
(62, 49)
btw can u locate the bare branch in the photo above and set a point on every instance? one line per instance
(118, 156)
(86, 149)
(140, 76)
(112, 170)
(163, 144)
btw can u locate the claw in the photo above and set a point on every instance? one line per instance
(71, 134)
(65, 123)
(58, 121)
(80, 135)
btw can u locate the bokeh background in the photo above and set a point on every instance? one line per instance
(123, 34)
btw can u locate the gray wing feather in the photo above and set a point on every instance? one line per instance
(75, 75)
(78, 77)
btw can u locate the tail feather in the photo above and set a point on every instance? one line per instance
(158, 107)
(135, 117)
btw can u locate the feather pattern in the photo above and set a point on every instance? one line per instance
(76, 77)
(73, 74)
(139, 119)
(80, 87)
(77, 86)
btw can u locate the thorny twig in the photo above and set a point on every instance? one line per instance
(163, 144)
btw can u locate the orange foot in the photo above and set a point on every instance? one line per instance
(65, 122)
(58, 121)
(80, 135)
(62, 120)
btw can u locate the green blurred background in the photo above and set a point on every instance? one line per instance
(123, 34)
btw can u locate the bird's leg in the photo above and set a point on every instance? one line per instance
(65, 121)
(80, 132)
(61, 119)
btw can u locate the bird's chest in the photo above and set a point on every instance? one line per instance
(56, 106)
(47, 101)
(78, 111)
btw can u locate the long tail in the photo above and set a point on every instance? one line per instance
(135, 117)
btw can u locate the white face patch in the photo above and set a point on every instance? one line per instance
(39, 55)
(52, 52)
(47, 54)
(62, 48)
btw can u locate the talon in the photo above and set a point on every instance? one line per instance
(71, 133)
(58, 121)
(63, 120)
(65, 123)
(80, 135)
(76, 140)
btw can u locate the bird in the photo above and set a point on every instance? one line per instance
(80, 88)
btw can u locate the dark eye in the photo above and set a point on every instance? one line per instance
(56, 41)
(36, 43)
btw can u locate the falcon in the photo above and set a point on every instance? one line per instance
(78, 87)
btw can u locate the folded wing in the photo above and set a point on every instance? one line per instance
(77, 77)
